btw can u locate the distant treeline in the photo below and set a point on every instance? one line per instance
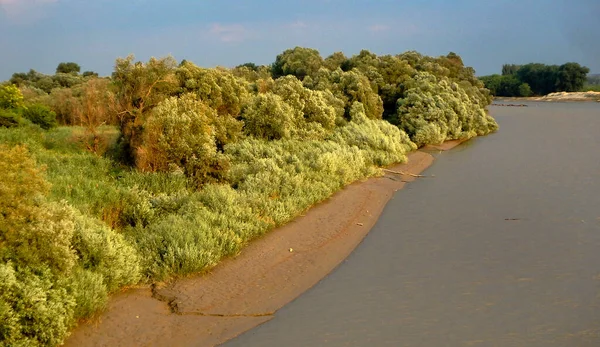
(536, 79)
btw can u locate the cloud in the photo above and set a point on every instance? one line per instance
(229, 33)
(25, 11)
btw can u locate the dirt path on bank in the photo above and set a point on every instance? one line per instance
(244, 292)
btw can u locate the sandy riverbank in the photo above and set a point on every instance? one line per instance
(246, 291)
(560, 96)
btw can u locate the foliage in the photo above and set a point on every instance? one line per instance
(536, 79)
(40, 115)
(10, 118)
(506, 85)
(57, 265)
(68, 68)
(180, 136)
(138, 88)
(571, 77)
(218, 88)
(10, 97)
(299, 62)
(437, 109)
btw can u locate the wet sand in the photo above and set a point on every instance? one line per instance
(246, 291)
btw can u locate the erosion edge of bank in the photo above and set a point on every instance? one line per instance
(243, 292)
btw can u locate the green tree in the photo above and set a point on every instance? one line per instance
(540, 77)
(217, 87)
(89, 74)
(68, 67)
(337, 60)
(525, 90)
(139, 87)
(179, 136)
(510, 69)
(299, 61)
(40, 115)
(571, 77)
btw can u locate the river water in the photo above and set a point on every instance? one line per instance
(500, 248)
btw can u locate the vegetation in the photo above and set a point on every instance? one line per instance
(164, 169)
(536, 79)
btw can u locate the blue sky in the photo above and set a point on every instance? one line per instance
(39, 34)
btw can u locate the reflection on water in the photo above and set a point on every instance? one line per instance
(500, 248)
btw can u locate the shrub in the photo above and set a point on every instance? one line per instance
(10, 97)
(10, 119)
(268, 116)
(40, 115)
(217, 88)
(436, 109)
(34, 311)
(180, 136)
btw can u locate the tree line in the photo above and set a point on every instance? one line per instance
(536, 79)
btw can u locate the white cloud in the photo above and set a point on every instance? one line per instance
(24, 11)
(229, 33)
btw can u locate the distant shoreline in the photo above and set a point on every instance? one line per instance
(560, 96)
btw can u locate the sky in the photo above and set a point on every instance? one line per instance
(39, 34)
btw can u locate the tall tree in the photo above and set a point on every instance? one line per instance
(299, 61)
(68, 67)
(510, 69)
(571, 77)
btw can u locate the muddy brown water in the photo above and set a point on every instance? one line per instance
(500, 248)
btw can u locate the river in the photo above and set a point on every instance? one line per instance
(500, 247)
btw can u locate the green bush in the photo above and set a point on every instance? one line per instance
(34, 310)
(180, 136)
(10, 97)
(59, 265)
(40, 115)
(10, 119)
(437, 109)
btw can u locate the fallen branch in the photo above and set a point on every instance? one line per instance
(402, 173)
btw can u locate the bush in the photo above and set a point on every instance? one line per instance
(436, 109)
(180, 136)
(59, 265)
(269, 117)
(40, 115)
(10, 119)
(10, 97)
(34, 311)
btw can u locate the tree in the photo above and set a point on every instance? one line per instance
(217, 87)
(90, 74)
(250, 66)
(299, 61)
(179, 136)
(337, 60)
(540, 77)
(510, 69)
(571, 77)
(139, 87)
(525, 90)
(69, 67)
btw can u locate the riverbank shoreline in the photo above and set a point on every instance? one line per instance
(557, 97)
(243, 292)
